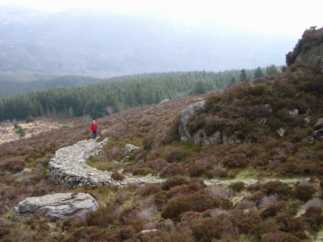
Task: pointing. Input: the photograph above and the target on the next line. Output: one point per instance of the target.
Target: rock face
(185, 116)
(69, 167)
(58, 205)
(200, 136)
(309, 50)
(318, 129)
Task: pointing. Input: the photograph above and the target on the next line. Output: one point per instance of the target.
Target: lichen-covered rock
(58, 205)
(185, 117)
(130, 148)
(318, 129)
(309, 50)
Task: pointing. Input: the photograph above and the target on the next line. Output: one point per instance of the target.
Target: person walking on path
(94, 129)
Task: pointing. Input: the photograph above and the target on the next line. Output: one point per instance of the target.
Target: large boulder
(58, 205)
(309, 50)
(185, 116)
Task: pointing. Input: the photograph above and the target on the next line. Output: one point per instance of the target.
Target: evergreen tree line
(117, 94)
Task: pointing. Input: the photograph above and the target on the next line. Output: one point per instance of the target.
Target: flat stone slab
(58, 205)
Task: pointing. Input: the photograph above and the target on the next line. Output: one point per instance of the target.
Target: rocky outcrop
(185, 117)
(58, 205)
(309, 50)
(200, 136)
(318, 129)
(69, 167)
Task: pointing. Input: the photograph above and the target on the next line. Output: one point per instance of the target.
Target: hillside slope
(248, 168)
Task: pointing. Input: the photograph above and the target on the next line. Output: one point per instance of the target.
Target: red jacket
(93, 127)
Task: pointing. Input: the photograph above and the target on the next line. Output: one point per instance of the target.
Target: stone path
(69, 167)
(252, 181)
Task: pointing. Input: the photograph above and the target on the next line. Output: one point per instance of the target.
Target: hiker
(94, 129)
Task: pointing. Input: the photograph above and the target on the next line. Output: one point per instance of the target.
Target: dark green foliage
(259, 73)
(272, 70)
(243, 75)
(113, 94)
(19, 131)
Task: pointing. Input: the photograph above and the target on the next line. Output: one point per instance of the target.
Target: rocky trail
(69, 167)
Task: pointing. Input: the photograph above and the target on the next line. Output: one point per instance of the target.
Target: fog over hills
(103, 45)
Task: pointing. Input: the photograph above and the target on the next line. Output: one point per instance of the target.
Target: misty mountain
(11, 86)
(97, 44)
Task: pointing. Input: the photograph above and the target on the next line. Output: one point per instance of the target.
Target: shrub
(208, 229)
(103, 217)
(237, 186)
(173, 170)
(291, 224)
(212, 104)
(117, 176)
(304, 192)
(248, 221)
(258, 90)
(236, 160)
(197, 202)
(175, 154)
(181, 235)
(313, 216)
(149, 189)
(172, 133)
(14, 164)
(279, 237)
(148, 143)
(276, 187)
(173, 182)
(200, 168)
(142, 171)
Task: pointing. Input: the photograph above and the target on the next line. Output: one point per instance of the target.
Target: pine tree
(243, 75)
(258, 73)
(272, 70)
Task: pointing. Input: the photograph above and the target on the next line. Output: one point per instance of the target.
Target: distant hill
(103, 45)
(10, 85)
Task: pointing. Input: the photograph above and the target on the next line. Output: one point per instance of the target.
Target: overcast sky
(277, 17)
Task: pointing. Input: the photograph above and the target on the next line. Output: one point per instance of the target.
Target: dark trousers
(93, 134)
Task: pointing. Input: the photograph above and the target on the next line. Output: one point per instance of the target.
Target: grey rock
(294, 112)
(281, 132)
(319, 124)
(318, 129)
(164, 101)
(313, 203)
(58, 205)
(185, 116)
(309, 50)
(130, 148)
